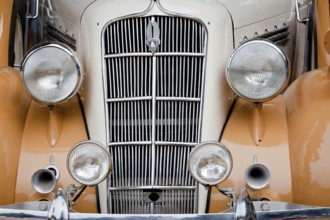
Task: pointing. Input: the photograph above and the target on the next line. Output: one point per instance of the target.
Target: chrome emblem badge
(152, 35)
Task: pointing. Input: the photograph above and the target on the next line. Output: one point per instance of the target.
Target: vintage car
(164, 109)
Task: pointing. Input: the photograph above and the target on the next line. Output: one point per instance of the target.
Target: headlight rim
(228, 172)
(282, 55)
(74, 58)
(106, 174)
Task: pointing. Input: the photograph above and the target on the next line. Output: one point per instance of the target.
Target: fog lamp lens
(89, 163)
(258, 70)
(51, 73)
(210, 163)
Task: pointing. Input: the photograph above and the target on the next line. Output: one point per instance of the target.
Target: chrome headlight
(258, 70)
(51, 73)
(89, 163)
(210, 163)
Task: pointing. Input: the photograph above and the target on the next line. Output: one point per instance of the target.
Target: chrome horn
(257, 176)
(44, 180)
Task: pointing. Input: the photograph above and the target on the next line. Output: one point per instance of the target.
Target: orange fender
(308, 110)
(13, 111)
(5, 17)
(261, 132)
(51, 132)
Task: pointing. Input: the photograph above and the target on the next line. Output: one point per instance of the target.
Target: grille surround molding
(155, 99)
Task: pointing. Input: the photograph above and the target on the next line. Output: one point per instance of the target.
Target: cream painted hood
(245, 12)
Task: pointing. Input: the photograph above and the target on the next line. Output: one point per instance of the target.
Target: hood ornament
(152, 35)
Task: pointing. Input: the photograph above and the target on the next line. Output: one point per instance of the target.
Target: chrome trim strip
(203, 87)
(115, 55)
(172, 54)
(30, 16)
(150, 98)
(149, 143)
(157, 54)
(176, 143)
(153, 187)
(304, 20)
(129, 99)
(178, 14)
(169, 98)
(129, 143)
(153, 129)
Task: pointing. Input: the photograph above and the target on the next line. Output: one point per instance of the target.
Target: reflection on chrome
(244, 207)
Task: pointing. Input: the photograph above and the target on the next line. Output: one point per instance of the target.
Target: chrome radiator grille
(154, 110)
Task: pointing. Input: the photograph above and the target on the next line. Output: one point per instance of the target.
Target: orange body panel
(14, 105)
(49, 134)
(5, 15)
(308, 107)
(272, 150)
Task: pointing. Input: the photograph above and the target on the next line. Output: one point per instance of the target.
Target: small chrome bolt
(265, 207)
(43, 207)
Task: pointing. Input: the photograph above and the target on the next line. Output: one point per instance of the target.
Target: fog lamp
(51, 73)
(258, 70)
(210, 163)
(89, 163)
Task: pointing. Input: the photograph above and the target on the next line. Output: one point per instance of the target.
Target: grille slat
(175, 201)
(151, 132)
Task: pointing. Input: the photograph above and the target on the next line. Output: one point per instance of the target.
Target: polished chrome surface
(154, 108)
(263, 210)
(59, 208)
(261, 79)
(244, 207)
(257, 176)
(74, 67)
(289, 211)
(36, 6)
(32, 206)
(210, 163)
(153, 36)
(301, 20)
(43, 181)
(89, 162)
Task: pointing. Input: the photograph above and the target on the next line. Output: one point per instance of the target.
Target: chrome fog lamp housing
(258, 70)
(210, 163)
(89, 163)
(51, 73)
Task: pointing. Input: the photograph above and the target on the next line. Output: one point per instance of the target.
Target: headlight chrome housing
(258, 70)
(89, 163)
(210, 163)
(51, 73)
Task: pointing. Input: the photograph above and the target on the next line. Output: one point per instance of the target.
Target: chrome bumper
(308, 213)
(58, 209)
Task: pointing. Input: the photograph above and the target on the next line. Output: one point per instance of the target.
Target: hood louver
(280, 36)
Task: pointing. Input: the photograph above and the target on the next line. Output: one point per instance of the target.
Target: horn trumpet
(257, 176)
(44, 180)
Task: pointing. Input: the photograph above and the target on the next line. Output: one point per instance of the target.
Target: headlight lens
(89, 163)
(210, 163)
(258, 70)
(51, 73)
